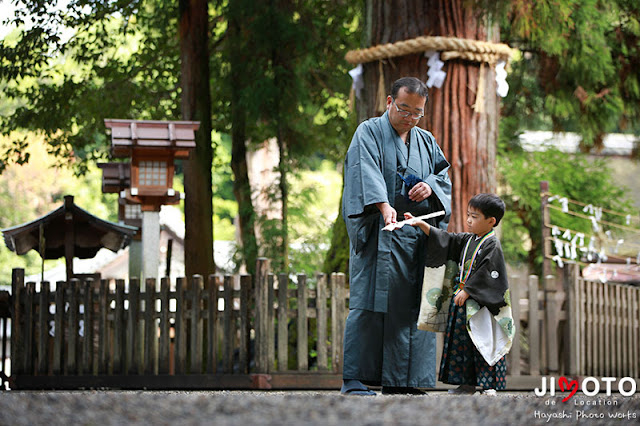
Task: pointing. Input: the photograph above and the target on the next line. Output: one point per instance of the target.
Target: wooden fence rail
(278, 331)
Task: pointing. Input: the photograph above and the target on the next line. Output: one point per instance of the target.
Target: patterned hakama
(461, 363)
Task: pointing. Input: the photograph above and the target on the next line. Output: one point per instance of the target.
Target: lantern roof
(130, 135)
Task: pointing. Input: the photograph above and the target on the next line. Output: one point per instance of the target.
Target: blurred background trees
(276, 71)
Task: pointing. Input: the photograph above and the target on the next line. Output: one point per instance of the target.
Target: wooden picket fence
(244, 332)
(574, 327)
(196, 335)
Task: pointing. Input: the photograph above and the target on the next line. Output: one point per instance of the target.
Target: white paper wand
(398, 225)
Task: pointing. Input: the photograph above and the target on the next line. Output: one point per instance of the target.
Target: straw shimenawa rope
(451, 48)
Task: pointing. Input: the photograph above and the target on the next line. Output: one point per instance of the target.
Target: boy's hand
(461, 298)
(417, 222)
(408, 216)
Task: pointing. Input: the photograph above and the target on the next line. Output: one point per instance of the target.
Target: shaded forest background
(276, 70)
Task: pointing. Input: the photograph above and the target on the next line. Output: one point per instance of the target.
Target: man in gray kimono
(391, 167)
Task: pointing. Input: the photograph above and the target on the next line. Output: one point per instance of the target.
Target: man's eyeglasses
(403, 113)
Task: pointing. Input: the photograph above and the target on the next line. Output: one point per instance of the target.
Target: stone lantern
(153, 147)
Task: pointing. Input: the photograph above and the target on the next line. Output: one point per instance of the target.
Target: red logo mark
(566, 385)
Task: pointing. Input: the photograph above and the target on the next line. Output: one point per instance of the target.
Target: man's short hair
(489, 204)
(412, 85)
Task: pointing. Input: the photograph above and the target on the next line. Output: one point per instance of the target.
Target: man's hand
(461, 298)
(388, 213)
(420, 192)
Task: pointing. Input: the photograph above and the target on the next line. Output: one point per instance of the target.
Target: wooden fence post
(227, 328)
(72, 340)
(181, 327)
(514, 354)
(17, 338)
(43, 328)
(271, 326)
(321, 321)
(571, 341)
(546, 232)
(164, 349)
(338, 318)
(262, 315)
(303, 330)
(245, 323)
(283, 322)
(134, 349)
(150, 332)
(551, 323)
(534, 327)
(103, 325)
(87, 347)
(28, 327)
(118, 326)
(212, 335)
(196, 325)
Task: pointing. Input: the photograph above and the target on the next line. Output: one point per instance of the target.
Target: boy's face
(477, 223)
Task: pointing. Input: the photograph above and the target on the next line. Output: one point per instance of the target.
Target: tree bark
(196, 105)
(241, 185)
(467, 138)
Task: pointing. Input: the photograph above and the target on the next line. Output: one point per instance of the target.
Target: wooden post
(271, 326)
(514, 354)
(551, 323)
(87, 347)
(303, 330)
(534, 327)
(212, 336)
(572, 320)
(28, 327)
(338, 318)
(283, 322)
(150, 330)
(321, 321)
(72, 328)
(17, 338)
(196, 325)
(118, 327)
(635, 317)
(43, 329)
(245, 298)
(261, 315)
(103, 325)
(181, 327)
(134, 348)
(69, 236)
(164, 347)
(546, 232)
(58, 327)
(228, 329)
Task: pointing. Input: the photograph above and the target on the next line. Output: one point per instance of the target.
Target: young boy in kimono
(479, 327)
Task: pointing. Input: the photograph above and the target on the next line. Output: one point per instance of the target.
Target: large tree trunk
(196, 105)
(238, 53)
(468, 139)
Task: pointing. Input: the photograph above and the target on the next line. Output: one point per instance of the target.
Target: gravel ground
(307, 408)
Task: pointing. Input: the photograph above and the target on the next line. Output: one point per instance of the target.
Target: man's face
(405, 103)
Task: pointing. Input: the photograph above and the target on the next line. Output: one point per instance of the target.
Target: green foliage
(107, 68)
(578, 68)
(575, 176)
(32, 190)
(288, 81)
(313, 205)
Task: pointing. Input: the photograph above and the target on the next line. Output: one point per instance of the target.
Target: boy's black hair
(490, 205)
